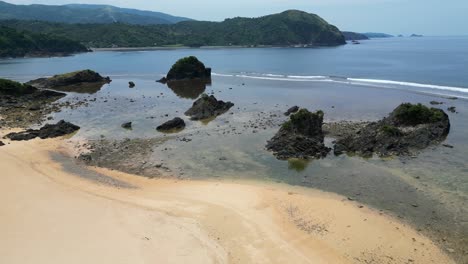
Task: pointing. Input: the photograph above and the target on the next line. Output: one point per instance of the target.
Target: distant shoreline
(204, 47)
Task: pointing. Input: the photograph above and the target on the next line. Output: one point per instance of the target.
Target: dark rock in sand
(131, 84)
(452, 109)
(174, 124)
(436, 103)
(208, 107)
(300, 137)
(2, 144)
(291, 110)
(85, 81)
(48, 131)
(408, 128)
(127, 125)
(35, 107)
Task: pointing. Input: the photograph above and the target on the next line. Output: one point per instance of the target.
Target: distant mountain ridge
(377, 35)
(354, 35)
(289, 28)
(80, 13)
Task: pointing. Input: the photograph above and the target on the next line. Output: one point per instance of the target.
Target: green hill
(288, 28)
(78, 13)
(15, 43)
(354, 36)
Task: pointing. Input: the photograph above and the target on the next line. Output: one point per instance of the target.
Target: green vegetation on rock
(415, 114)
(188, 68)
(8, 87)
(288, 28)
(300, 121)
(15, 43)
(391, 130)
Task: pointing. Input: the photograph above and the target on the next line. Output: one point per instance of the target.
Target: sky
(428, 17)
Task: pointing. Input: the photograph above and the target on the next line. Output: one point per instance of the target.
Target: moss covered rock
(409, 128)
(188, 68)
(85, 81)
(300, 137)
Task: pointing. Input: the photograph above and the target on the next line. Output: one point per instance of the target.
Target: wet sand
(51, 215)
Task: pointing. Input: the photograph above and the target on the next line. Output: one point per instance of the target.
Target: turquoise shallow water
(353, 82)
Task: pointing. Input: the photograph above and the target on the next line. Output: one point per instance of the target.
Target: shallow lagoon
(430, 190)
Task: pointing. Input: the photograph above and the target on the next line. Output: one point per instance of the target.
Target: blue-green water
(352, 82)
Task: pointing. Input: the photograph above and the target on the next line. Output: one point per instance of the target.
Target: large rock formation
(172, 125)
(48, 131)
(300, 137)
(188, 68)
(208, 107)
(86, 81)
(408, 128)
(22, 104)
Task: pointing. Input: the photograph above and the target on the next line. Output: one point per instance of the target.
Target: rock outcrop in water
(292, 110)
(22, 104)
(48, 131)
(409, 127)
(188, 68)
(86, 81)
(127, 125)
(208, 107)
(300, 137)
(172, 125)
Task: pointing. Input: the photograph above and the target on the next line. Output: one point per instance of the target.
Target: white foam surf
(353, 81)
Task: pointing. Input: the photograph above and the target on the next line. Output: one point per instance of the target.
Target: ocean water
(352, 82)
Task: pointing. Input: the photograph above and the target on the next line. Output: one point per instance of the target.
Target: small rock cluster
(48, 131)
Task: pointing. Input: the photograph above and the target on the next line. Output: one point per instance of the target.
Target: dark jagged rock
(208, 107)
(188, 68)
(174, 124)
(291, 110)
(300, 137)
(408, 128)
(86, 81)
(48, 131)
(127, 125)
(2, 144)
(162, 80)
(131, 84)
(436, 103)
(452, 109)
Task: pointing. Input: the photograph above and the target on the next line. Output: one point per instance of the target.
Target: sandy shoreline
(52, 216)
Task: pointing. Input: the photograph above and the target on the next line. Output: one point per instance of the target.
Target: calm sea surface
(352, 82)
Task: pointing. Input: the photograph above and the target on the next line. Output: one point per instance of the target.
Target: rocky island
(408, 128)
(187, 69)
(300, 137)
(85, 81)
